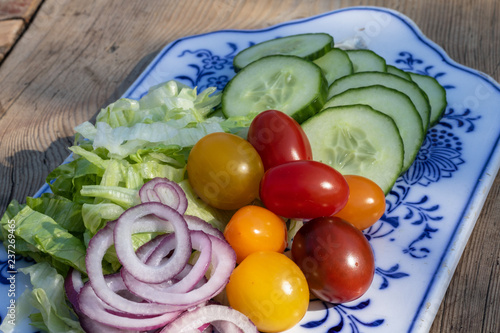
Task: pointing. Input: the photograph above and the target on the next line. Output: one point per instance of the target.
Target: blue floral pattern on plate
(432, 207)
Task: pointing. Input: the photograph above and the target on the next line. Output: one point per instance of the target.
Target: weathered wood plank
(9, 33)
(18, 9)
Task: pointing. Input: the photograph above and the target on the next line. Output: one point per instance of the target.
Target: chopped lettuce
(170, 114)
(45, 303)
(42, 238)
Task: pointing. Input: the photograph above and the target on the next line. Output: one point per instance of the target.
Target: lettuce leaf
(45, 303)
(170, 114)
(43, 239)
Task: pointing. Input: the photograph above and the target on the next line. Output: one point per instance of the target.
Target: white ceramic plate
(432, 208)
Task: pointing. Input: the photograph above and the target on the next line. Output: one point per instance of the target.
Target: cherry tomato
(225, 170)
(270, 289)
(252, 229)
(303, 189)
(366, 203)
(278, 138)
(335, 257)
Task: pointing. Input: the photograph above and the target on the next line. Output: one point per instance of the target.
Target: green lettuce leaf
(65, 212)
(170, 114)
(45, 303)
(38, 235)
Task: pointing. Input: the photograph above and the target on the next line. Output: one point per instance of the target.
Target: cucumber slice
(335, 64)
(396, 105)
(308, 46)
(356, 139)
(290, 84)
(366, 61)
(399, 72)
(409, 88)
(436, 94)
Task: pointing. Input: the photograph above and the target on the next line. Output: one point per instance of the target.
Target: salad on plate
(187, 210)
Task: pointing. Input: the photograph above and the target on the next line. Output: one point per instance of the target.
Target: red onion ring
(94, 308)
(200, 241)
(72, 285)
(223, 263)
(96, 250)
(195, 223)
(190, 321)
(165, 191)
(125, 251)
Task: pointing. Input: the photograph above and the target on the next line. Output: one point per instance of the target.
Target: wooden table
(77, 56)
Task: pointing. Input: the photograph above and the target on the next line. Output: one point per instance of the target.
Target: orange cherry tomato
(252, 229)
(366, 202)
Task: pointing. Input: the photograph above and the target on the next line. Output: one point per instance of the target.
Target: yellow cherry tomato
(366, 202)
(225, 170)
(254, 228)
(270, 289)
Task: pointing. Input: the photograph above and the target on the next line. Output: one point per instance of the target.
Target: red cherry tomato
(278, 139)
(303, 189)
(366, 203)
(336, 258)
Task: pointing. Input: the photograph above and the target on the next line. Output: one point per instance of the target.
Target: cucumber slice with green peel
(396, 105)
(366, 61)
(335, 64)
(356, 139)
(399, 72)
(409, 88)
(289, 84)
(436, 94)
(309, 46)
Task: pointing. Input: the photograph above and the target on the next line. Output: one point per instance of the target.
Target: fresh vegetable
(335, 64)
(366, 203)
(164, 285)
(222, 318)
(290, 84)
(436, 94)
(252, 229)
(278, 139)
(409, 88)
(356, 139)
(335, 257)
(270, 289)
(225, 170)
(308, 46)
(366, 61)
(396, 105)
(303, 189)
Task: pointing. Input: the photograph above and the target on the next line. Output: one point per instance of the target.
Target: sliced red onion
(165, 191)
(223, 263)
(166, 216)
(94, 308)
(190, 321)
(91, 326)
(200, 241)
(96, 250)
(195, 223)
(72, 285)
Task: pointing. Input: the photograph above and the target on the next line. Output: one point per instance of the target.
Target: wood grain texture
(9, 32)
(77, 56)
